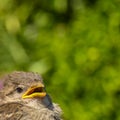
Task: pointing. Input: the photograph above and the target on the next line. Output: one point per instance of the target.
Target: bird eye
(19, 89)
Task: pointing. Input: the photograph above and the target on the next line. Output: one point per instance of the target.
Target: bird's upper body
(23, 97)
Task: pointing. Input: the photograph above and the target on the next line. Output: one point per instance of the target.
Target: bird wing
(17, 111)
(11, 111)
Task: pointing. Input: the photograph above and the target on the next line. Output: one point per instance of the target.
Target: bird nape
(23, 97)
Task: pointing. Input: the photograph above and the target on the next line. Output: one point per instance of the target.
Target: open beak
(35, 91)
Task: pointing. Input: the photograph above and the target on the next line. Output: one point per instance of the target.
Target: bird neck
(38, 103)
(47, 102)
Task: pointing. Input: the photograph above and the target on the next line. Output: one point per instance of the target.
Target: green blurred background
(74, 44)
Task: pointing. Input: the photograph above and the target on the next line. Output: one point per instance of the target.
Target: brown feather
(13, 107)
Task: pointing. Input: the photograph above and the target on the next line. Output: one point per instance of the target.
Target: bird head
(22, 87)
(27, 89)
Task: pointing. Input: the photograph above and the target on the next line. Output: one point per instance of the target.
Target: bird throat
(38, 103)
(47, 102)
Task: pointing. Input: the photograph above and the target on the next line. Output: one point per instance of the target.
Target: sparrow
(23, 97)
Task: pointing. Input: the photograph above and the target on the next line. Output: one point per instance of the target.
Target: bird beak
(35, 91)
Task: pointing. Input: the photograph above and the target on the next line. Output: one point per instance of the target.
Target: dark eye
(19, 89)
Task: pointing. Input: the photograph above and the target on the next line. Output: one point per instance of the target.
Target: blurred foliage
(74, 44)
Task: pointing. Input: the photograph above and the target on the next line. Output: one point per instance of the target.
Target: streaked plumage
(23, 97)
